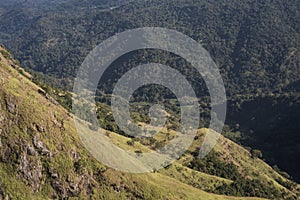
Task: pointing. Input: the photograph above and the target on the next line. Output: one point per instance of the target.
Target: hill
(42, 157)
(255, 43)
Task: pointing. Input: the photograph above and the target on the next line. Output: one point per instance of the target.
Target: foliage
(256, 153)
(212, 164)
(270, 124)
(253, 42)
(241, 185)
(246, 187)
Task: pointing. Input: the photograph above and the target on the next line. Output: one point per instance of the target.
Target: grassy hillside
(255, 44)
(41, 156)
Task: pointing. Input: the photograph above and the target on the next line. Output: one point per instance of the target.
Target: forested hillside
(42, 157)
(254, 43)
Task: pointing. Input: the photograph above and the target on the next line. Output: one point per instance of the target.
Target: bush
(256, 153)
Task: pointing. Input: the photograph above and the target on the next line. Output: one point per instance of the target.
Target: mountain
(42, 157)
(255, 43)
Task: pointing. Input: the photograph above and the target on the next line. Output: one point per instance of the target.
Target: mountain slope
(255, 44)
(247, 39)
(42, 157)
(271, 124)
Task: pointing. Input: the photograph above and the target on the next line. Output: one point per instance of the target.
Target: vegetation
(258, 46)
(241, 186)
(42, 157)
(270, 124)
(254, 43)
(212, 164)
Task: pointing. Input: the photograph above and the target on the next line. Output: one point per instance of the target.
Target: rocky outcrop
(11, 104)
(40, 146)
(74, 185)
(30, 169)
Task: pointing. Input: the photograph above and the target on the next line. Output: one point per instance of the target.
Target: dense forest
(254, 43)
